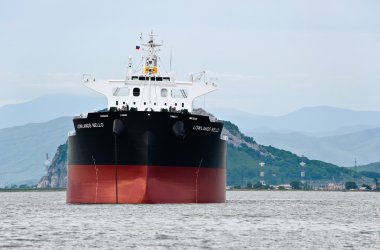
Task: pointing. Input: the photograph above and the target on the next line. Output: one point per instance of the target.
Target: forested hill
(373, 167)
(243, 158)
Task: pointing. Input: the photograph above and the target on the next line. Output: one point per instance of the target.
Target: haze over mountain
(329, 134)
(372, 167)
(342, 150)
(49, 107)
(23, 149)
(23, 153)
(243, 157)
(317, 121)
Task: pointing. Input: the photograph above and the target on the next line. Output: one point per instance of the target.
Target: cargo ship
(149, 145)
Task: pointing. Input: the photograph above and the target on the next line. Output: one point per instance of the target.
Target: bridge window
(136, 91)
(164, 92)
(120, 91)
(180, 93)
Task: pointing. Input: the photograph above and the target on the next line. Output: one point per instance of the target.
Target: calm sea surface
(250, 220)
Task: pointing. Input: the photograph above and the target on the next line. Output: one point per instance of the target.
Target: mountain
(57, 171)
(372, 167)
(325, 133)
(315, 121)
(23, 149)
(243, 157)
(330, 134)
(281, 166)
(341, 150)
(48, 107)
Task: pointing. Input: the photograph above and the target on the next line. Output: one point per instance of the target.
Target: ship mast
(151, 68)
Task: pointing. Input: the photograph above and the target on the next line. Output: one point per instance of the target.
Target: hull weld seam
(196, 180)
(97, 179)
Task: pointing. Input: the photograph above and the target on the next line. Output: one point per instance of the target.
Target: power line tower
(302, 164)
(47, 164)
(262, 164)
(44, 183)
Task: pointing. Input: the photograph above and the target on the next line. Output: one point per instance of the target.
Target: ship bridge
(151, 89)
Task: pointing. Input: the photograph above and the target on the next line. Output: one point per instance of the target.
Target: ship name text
(205, 128)
(90, 125)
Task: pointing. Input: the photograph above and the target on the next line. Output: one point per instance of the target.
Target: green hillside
(370, 170)
(373, 167)
(243, 157)
(23, 149)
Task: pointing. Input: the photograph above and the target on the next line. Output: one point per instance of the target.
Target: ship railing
(71, 133)
(224, 137)
(80, 116)
(213, 119)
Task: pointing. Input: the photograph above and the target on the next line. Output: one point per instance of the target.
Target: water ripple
(254, 220)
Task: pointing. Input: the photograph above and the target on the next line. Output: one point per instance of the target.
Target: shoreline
(300, 190)
(14, 190)
(32, 189)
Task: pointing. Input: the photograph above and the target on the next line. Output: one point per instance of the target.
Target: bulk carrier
(149, 146)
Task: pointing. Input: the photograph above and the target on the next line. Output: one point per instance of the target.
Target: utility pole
(262, 164)
(302, 164)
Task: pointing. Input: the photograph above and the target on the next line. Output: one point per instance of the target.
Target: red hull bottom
(145, 184)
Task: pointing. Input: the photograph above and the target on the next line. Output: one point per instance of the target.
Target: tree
(351, 185)
(376, 184)
(296, 184)
(367, 187)
(258, 185)
(249, 185)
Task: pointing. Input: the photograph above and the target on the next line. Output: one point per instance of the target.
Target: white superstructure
(151, 89)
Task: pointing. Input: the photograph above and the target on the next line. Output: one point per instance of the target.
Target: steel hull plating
(145, 184)
(141, 157)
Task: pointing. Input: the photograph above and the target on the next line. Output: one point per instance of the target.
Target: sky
(268, 57)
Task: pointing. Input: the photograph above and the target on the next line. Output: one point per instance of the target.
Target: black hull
(137, 144)
(154, 138)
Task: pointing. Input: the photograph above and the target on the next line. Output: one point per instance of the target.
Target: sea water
(249, 219)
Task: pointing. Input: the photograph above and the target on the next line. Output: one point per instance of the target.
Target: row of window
(175, 93)
(152, 78)
(134, 103)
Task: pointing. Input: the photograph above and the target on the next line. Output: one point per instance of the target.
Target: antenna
(130, 65)
(170, 62)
